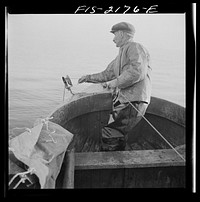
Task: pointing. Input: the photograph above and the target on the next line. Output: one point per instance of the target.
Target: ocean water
(37, 60)
(36, 92)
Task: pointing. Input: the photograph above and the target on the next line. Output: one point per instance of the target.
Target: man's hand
(104, 85)
(111, 85)
(108, 85)
(83, 79)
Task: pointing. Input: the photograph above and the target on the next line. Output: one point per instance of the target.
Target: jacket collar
(125, 43)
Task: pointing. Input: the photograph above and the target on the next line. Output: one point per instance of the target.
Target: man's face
(118, 38)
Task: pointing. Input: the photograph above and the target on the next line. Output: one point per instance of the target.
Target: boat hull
(85, 115)
(148, 177)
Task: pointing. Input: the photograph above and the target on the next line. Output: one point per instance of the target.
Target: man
(128, 76)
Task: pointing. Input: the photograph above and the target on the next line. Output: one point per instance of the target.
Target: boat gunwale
(106, 97)
(164, 111)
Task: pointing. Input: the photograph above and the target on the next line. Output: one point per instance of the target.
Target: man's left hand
(83, 79)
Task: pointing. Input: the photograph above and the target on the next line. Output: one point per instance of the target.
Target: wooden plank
(68, 179)
(127, 159)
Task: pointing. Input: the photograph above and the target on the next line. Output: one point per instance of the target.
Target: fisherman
(128, 77)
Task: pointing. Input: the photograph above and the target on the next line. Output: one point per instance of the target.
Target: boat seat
(127, 159)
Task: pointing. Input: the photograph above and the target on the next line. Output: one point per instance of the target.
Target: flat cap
(123, 26)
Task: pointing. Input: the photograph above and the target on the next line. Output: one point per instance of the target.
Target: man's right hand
(105, 85)
(83, 79)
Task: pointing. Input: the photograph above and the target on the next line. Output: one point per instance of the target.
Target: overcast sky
(57, 39)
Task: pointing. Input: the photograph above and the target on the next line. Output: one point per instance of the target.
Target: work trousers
(125, 118)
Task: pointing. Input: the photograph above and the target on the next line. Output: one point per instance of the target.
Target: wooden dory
(148, 160)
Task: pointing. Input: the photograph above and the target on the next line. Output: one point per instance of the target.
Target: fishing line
(154, 128)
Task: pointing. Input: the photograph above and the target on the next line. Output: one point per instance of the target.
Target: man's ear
(122, 34)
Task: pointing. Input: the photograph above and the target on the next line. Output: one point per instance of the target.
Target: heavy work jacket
(129, 72)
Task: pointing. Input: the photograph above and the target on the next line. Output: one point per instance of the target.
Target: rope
(154, 128)
(148, 123)
(23, 177)
(46, 121)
